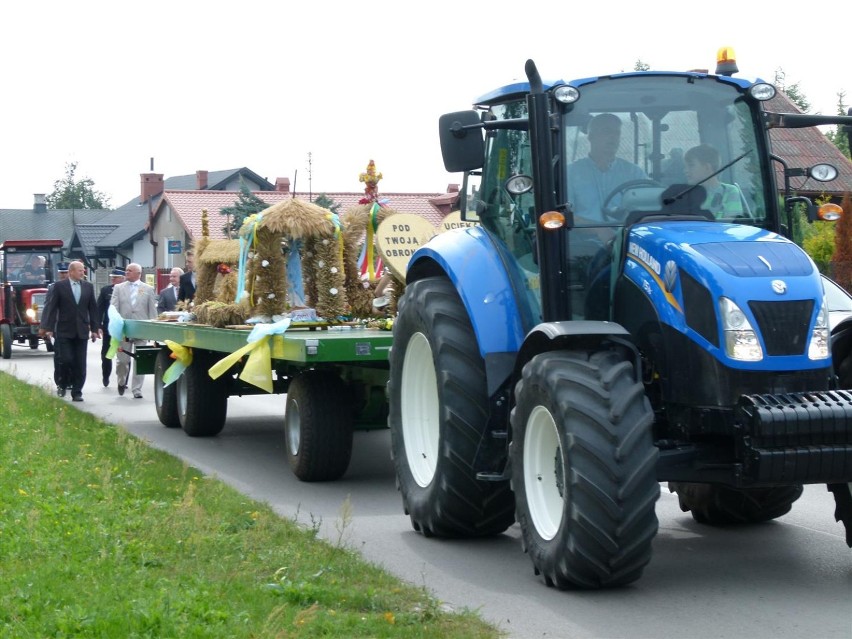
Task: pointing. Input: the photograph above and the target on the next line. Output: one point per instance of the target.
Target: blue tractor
(629, 310)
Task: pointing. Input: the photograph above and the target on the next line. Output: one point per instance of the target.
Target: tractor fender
(551, 336)
(472, 261)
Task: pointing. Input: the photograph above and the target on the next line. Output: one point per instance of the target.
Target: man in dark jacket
(187, 280)
(116, 276)
(73, 317)
(168, 297)
(58, 375)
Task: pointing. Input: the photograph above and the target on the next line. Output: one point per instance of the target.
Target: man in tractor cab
(33, 272)
(592, 179)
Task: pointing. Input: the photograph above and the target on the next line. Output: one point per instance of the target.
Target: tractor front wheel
(584, 468)
(438, 414)
(6, 341)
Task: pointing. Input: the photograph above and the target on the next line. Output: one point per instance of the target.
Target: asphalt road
(789, 578)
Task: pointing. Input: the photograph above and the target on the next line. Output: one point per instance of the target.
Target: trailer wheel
(843, 512)
(724, 506)
(318, 425)
(584, 468)
(6, 341)
(34, 342)
(165, 397)
(202, 402)
(438, 412)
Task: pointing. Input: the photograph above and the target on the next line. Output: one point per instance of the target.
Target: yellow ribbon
(371, 229)
(183, 359)
(258, 368)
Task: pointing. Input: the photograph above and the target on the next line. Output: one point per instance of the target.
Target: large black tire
(202, 401)
(318, 426)
(724, 506)
(438, 412)
(33, 342)
(165, 397)
(584, 468)
(48, 344)
(843, 512)
(6, 341)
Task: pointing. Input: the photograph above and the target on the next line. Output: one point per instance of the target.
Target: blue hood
(743, 263)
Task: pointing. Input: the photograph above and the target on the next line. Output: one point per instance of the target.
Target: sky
(314, 90)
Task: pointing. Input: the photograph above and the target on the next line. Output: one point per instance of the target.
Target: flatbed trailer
(334, 378)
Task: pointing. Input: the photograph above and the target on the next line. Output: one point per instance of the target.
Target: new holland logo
(779, 286)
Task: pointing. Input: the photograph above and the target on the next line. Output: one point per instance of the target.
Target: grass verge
(102, 536)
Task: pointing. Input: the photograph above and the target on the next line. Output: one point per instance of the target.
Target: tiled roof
(188, 205)
(806, 147)
(26, 224)
(90, 236)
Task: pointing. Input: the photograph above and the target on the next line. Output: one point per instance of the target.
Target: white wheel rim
(293, 427)
(543, 473)
(419, 405)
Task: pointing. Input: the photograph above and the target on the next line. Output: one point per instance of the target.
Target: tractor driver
(33, 272)
(593, 178)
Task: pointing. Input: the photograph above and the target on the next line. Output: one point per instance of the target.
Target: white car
(839, 302)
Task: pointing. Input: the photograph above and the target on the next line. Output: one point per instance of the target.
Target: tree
(70, 193)
(247, 203)
(837, 137)
(327, 203)
(793, 91)
(641, 66)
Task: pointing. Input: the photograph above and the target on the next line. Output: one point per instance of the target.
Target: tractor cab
(27, 268)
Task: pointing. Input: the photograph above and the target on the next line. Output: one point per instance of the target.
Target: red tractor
(27, 268)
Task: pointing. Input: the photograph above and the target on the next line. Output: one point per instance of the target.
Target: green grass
(102, 536)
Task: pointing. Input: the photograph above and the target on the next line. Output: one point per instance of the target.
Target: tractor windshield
(662, 143)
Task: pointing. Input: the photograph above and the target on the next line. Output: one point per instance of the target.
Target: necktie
(133, 290)
(76, 289)
(175, 291)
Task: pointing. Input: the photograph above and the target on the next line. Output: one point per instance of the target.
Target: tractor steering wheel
(621, 188)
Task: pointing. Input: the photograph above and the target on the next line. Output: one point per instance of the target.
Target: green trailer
(334, 378)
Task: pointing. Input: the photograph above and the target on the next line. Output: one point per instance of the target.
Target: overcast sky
(219, 85)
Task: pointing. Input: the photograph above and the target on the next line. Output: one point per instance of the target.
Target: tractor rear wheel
(165, 397)
(318, 426)
(438, 414)
(6, 341)
(724, 506)
(202, 401)
(584, 468)
(843, 512)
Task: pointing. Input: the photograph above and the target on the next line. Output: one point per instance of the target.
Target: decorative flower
(264, 263)
(325, 241)
(333, 291)
(271, 296)
(224, 269)
(334, 269)
(321, 263)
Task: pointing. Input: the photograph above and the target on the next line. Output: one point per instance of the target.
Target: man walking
(133, 299)
(116, 276)
(62, 274)
(168, 298)
(73, 315)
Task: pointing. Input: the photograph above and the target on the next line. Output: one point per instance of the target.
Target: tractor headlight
(741, 341)
(31, 314)
(818, 344)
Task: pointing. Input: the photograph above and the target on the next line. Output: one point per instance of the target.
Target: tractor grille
(784, 325)
(38, 304)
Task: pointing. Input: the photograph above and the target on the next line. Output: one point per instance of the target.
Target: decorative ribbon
(183, 359)
(372, 227)
(257, 370)
(248, 240)
(294, 273)
(338, 235)
(116, 331)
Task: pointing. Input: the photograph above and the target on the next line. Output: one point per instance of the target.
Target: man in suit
(187, 280)
(116, 276)
(133, 299)
(62, 274)
(73, 316)
(168, 297)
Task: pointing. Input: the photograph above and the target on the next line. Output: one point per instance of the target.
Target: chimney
(282, 184)
(201, 180)
(152, 186)
(452, 188)
(39, 203)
